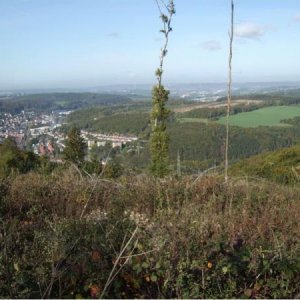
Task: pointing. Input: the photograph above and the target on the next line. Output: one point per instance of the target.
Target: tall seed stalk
(231, 33)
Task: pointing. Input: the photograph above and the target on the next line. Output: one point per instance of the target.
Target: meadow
(267, 116)
(67, 235)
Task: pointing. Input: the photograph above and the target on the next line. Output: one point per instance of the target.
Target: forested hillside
(195, 134)
(56, 101)
(282, 166)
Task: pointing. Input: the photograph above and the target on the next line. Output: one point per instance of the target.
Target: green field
(267, 116)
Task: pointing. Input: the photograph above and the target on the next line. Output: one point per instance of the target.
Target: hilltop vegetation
(157, 217)
(63, 234)
(13, 159)
(282, 166)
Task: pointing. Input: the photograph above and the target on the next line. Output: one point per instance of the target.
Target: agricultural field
(267, 116)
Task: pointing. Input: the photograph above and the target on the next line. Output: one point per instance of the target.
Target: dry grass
(216, 105)
(182, 225)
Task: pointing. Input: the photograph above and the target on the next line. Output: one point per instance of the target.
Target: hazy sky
(83, 43)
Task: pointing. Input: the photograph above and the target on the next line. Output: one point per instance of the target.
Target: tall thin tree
(231, 33)
(159, 144)
(75, 147)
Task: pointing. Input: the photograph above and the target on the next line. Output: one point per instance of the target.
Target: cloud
(297, 18)
(212, 45)
(114, 35)
(249, 31)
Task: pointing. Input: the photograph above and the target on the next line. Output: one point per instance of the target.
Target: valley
(149, 149)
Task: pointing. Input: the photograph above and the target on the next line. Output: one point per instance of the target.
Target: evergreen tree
(75, 147)
(12, 158)
(94, 164)
(112, 169)
(159, 115)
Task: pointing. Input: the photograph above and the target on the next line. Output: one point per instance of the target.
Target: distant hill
(56, 101)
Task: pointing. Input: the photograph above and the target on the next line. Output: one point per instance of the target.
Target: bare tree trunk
(229, 90)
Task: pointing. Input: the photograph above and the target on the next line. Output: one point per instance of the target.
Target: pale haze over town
(84, 43)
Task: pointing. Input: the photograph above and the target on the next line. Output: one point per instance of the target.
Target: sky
(89, 43)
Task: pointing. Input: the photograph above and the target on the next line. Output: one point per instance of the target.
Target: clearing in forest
(267, 116)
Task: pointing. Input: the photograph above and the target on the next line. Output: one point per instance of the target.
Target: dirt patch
(215, 105)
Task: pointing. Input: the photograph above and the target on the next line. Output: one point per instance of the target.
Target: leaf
(224, 270)
(245, 258)
(138, 269)
(248, 293)
(153, 278)
(136, 283)
(96, 256)
(257, 286)
(16, 267)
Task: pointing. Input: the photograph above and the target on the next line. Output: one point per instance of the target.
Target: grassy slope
(282, 166)
(268, 116)
(200, 238)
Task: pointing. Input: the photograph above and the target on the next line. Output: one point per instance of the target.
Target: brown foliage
(193, 231)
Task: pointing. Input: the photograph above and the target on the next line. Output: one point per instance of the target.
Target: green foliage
(159, 152)
(213, 113)
(13, 159)
(201, 145)
(287, 97)
(75, 147)
(282, 166)
(292, 121)
(101, 152)
(54, 101)
(205, 142)
(267, 116)
(112, 169)
(159, 139)
(160, 113)
(122, 123)
(93, 167)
